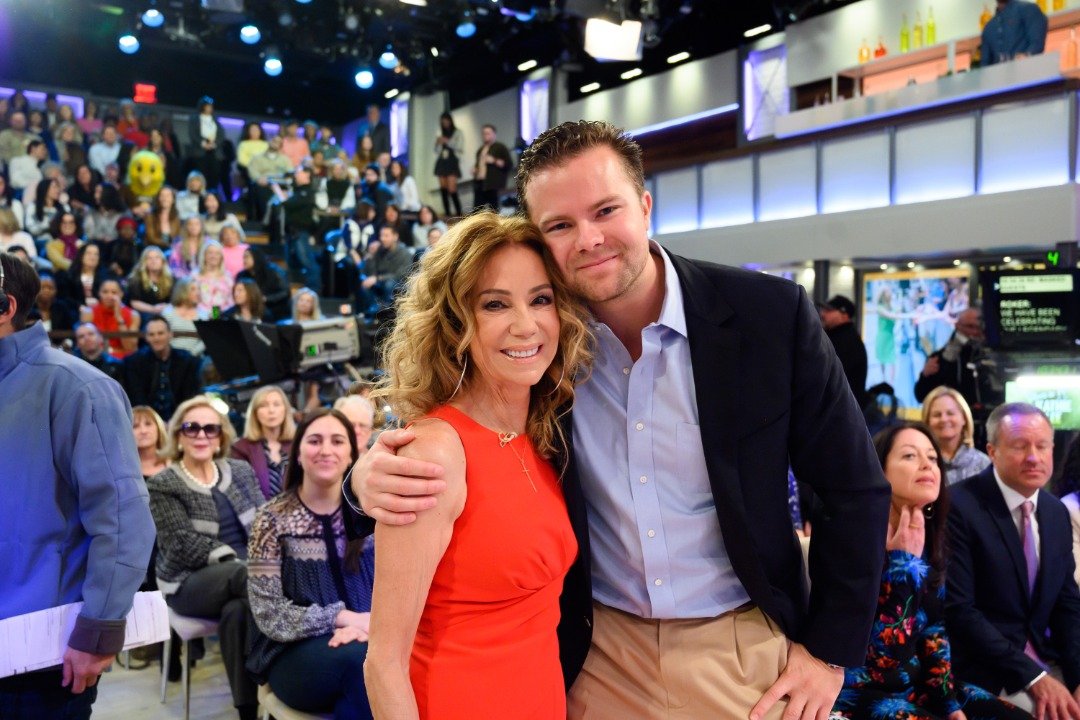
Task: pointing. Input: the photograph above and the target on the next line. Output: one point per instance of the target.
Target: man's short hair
(489, 125)
(157, 318)
(391, 228)
(22, 283)
(562, 143)
(33, 145)
(81, 325)
(993, 423)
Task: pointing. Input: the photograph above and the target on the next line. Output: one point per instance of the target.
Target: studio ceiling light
(388, 59)
(417, 3)
(631, 74)
(466, 28)
(364, 79)
(250, 34)
(153, 18)
(527, 65)
(128, 43)
(392, 93)
(272, 65)
(678, 58)
(590, 87)
(759, 30)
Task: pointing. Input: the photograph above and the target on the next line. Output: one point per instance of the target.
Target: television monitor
(1031, 310)
(1057, 395)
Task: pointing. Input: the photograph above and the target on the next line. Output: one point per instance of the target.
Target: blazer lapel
(1048, 534)
(995, 505)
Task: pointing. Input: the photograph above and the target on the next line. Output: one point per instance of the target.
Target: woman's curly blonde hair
(425, 353)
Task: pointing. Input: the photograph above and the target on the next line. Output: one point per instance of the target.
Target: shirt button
(652, 533)
(643, 479)
(657, 582)
(640, 426)
(626, 371)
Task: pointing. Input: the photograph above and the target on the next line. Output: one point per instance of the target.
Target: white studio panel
(1025, 145)
(788, 184)
(727, 193)
(676, 208)
(935, 160)
(855, 173)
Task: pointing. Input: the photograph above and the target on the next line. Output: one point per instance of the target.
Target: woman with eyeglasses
(203, 505)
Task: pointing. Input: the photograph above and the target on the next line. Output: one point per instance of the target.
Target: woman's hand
(346, 635)
(958, 715)
(348, 618)
(909, 533)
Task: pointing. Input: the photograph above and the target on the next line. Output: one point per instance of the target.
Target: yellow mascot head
(145, 174)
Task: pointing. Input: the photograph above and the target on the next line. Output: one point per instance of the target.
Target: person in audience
(203, 505)
(163, 224)
(105, 151)
(364, 155)
(264, 168)
(206, 139)
(8, 201)
(434, 235)
(182, 313)
(946, 413)
(248, 303)
(90, 123)
(150, 434)
(48, 200)
(90, 346)
(252, 143)
(111, 315)
(443, 608)
(100, 218)
(374, 191)
(76, 526)
(406, 194)
(215, 216)
(160, 375)
(12, 234)
(1012, 603)
(25, 170)
(300, 226)
(269, 430)
(189, 200)
(310, 588)
(128, 120)
(150, 283)
(214, 282)
(14, 138)
(449, 147)
(231, 237)
(293, 146)
(158, 144)
(384, 269)
(270, 281)
(908, 669)
(69, 148)
(392, 218)
(838, 320)
(66, 238)
(491, 170)
(360, 413)
(426, 220)
(1069, 492)
(187, 249)
(337, 195)
(66, 114)
(377, 130)
(53, 312)
(305, 305)
(124, 250)
(79, 284)
(964, 364)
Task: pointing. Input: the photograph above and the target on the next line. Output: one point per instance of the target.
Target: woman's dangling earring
(928, 511)
(464, 367)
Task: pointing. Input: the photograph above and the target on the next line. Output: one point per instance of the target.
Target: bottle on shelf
(1071, 50)
(905, 36)
(880, 51)
(931, 27)
(864, 52)
(985, 17)
(917, 32)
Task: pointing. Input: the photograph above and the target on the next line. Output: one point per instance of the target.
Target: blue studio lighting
(250, 34)
(272, 66)
(388, 59)
(153, 18)
(128, 44)
(364, 79)
(466, 28)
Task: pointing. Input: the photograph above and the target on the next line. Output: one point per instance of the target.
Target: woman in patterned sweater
(908, 671)
(310, 589)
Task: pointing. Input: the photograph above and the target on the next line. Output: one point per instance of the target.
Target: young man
(160, 375)
(77, 525)
(687, 593)
(492, 170)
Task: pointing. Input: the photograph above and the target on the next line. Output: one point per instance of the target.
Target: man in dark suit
(708, 381)
(91, 348)
(1012, 604)
(159, 375)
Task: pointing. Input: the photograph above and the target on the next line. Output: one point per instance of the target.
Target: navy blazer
(770, 390)
(988, 612)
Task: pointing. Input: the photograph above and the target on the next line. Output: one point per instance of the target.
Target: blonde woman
(269, 429)
(305, 305)
(948, 416)
(203, 506)
(150, 434)
(150, 283)
(182, 313)
(214, 282)
(485, 351)
(184, 255)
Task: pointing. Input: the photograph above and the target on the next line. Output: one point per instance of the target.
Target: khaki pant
(641, 669)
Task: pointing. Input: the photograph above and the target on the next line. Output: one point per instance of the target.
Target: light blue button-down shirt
(657, 551)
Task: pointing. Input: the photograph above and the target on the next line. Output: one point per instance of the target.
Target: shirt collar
(1013, 499)
(672, 312)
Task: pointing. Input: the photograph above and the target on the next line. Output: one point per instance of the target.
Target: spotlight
(527, 65)
(153, 18)
(678, 58)
(759, 30)
(418, 3)
(466, 28)
(303, 2)
(590, 87)
(434, 51)
(250, 34)
(391, 94)
(272, 62)
(631, 74)
(128, 43)
(352, 22)
(388, 59)
(364, 79)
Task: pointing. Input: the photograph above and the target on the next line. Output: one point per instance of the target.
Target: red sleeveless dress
(486, 645)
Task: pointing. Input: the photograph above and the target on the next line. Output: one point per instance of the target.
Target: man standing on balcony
(1016, 31)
